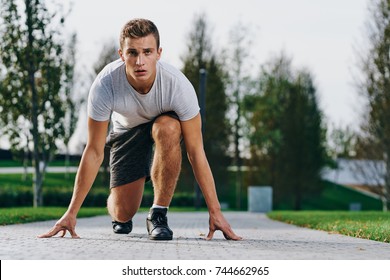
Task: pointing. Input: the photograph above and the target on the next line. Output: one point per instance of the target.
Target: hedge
(97, 197)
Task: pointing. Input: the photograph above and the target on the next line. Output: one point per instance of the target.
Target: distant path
(50, 169)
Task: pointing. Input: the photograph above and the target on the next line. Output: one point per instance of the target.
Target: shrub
(61, 196)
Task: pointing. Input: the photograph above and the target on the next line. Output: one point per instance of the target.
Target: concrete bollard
(260, 199)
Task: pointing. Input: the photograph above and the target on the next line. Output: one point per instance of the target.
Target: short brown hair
(138, 28)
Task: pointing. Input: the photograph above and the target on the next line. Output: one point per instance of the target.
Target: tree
(33, 94)
(375, 87)
(108, 53)
(263, 112)
(200, 55)
(342, 142)
(239, 85)
(72, 104)
(287, 131)
(303, 152)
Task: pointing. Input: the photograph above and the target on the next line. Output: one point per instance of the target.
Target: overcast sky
(318, 34)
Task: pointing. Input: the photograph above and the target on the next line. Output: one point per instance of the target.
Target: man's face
(140, 56)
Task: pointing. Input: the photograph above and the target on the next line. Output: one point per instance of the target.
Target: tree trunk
(384, 204)
(67, 160)
(384, 198)
(298, 199)
(37, 181)
(386, 187)
(25, 164)
(37, 188)
(237, 159)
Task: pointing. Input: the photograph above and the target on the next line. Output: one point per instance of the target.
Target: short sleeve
(100, 102)
(185, 101)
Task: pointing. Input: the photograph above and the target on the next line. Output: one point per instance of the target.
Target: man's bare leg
(166, 166)
(123, 203)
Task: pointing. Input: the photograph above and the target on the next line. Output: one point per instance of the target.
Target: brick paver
(264, 239)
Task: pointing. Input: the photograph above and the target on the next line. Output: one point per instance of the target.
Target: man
(150, 103)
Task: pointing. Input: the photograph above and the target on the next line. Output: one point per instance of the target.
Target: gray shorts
(131, 153)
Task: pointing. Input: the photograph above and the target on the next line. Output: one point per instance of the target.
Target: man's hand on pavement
(218, 222)
(64, 224)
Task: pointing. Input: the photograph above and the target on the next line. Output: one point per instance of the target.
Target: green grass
(10, 163)
(51, 180)
(365, 224)
(338, 197)
(21, 215)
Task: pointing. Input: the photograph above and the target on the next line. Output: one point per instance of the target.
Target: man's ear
(121, 54)
(159, 51)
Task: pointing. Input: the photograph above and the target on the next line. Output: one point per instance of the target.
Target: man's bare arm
(91, 160)
(192, 134)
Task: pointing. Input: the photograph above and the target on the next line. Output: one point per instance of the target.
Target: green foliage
(374, 86)
(367, 225)
(72, 107)
(60, 197)
(22, 56)
(239, 85)
(342, 142)
(287, 134)
(27, 214)
(200, 55)
(108, 54)
(14, 192)
(330, 196)
(35, 83)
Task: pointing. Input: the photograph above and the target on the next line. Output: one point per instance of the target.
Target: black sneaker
(122, 228)
(157, 224)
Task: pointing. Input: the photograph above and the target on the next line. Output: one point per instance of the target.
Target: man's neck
(142, 87)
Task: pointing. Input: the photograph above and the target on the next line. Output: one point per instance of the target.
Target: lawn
(28, 214)
(373, 225)
(51, 180)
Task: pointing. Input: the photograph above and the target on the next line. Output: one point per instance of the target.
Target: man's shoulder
(170, 70)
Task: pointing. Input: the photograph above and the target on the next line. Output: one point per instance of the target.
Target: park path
(264, 239)
(50, 169)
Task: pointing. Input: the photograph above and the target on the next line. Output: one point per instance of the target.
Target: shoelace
(159, 220)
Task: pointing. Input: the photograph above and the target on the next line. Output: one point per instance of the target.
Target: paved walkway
(50, 169)
(263, 240)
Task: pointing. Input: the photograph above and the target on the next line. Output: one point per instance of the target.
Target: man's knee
(117, 209)
(120, 212)
(124, 201)
(167, 130)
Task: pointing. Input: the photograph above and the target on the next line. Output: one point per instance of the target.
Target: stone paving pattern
(264, 239)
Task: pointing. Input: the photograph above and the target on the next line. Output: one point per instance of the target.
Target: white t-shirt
(111, 95)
